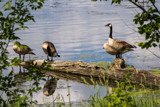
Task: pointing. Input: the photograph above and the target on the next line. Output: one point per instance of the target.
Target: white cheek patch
(110, 25)
(45, 46)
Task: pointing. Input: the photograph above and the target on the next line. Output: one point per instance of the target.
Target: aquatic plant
(125, 95)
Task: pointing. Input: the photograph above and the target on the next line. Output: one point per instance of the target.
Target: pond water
(76, 27)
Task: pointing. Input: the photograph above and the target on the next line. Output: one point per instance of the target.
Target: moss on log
(80, 68)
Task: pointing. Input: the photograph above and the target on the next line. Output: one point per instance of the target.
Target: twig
(154, 54)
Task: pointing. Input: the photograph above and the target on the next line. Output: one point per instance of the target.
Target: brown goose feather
(49, 49)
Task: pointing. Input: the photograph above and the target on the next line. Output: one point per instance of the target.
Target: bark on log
(79, 68)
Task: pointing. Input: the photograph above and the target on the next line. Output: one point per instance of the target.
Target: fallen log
(140, 77)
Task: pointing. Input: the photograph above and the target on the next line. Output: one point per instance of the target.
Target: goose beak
(108, 25)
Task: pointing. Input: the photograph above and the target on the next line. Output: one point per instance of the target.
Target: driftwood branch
(79, 68)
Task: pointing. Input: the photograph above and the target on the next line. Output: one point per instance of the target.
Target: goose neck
(110, 35)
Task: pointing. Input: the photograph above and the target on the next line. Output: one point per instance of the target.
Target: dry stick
(155, 6)
(139, 6)
(154, 54)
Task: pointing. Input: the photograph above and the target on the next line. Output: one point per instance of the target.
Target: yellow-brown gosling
(117, 47)
(22, 49)
(50, 50)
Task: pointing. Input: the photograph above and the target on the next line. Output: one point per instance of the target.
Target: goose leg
(121, 55)
(23, 57)
(20, 69)
(47, 58)
(29, 57)
(51, 58)
(23, 70)
(19, 56)
(118, 56)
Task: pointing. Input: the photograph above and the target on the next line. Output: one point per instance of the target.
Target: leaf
(17, 29)
(154, 44)
(8, 4)
(15, 61)
(1, 14)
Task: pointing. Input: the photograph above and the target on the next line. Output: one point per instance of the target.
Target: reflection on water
(76, 27)
(63, 87)
(50, 86)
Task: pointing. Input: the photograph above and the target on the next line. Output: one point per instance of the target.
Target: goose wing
(110, 49)
(52, 47)
(124, 44)
(49, 51)
(26, 49)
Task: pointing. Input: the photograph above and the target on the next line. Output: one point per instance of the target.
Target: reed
(125, 95)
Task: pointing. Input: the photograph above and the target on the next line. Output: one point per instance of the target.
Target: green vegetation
(155, 71)
(86, 56)
(125, 95)
(103, 64)
(120, 97)
(13, 17)
(18, 12)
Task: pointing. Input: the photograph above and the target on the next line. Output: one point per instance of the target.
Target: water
(76, 27)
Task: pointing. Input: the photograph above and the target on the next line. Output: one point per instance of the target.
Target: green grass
(125, 95)
(124, 98)
(148, 99)
(155, 71)
(103, 64)
(87, 56)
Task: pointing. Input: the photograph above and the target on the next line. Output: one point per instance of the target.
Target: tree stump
(118, 63)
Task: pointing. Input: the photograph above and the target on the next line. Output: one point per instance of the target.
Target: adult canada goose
(118, 47)
(22, 49)
(50, 50)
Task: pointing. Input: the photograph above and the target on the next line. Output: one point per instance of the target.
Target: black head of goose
(22, 49)
(120, 46)
(50, 50)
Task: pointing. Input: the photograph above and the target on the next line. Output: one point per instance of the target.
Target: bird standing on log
(117, 47)
(50, 50)
(22, 49)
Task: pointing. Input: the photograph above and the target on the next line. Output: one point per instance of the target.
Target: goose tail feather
(32, 53)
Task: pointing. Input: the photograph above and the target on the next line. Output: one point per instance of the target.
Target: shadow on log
(82, 79)
(79, 68)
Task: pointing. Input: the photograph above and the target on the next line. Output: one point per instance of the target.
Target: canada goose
(118, 46)
(49, 50)
(22, 49)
